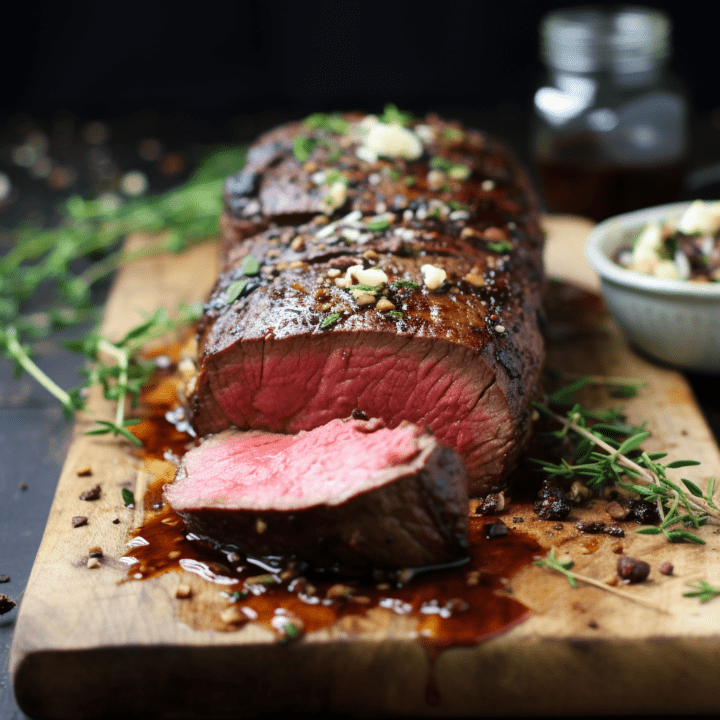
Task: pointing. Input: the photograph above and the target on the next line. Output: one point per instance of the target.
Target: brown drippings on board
(430, 598)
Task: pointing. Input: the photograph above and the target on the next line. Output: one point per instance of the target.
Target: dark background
(219, 57)
(221, 72)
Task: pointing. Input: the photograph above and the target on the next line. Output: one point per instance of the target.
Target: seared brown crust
(483, 231)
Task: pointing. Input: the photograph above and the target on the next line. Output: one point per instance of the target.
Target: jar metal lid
(587, 39)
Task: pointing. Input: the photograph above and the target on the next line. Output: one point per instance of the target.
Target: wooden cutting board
(88, 644)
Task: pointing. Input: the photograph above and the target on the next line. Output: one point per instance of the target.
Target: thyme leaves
(55, 272)
(564, 567)
(608, 451)
(702, 590)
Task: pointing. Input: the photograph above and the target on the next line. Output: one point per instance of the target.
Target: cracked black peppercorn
(632, 569)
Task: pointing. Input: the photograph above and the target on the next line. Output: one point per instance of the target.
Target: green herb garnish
(441, 163)
(452, 134)
(333, 176)
(303, 148)
(409, 180)
(117, 367)
(291, 631)
(396, 314)
(235, 290)
(392, 116)
(128, 497)
(551, 562)
(329, 320)
(609, 451)
(403, 285)
(378, 225)
(41, 269)
(250, 265)
(703, 591)
(455, 170)
(500, 247)
(367, 289)
(322, 121)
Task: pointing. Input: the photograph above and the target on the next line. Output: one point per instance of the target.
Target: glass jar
(610, 122)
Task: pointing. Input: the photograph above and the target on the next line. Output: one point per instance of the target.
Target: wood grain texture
(89, 644)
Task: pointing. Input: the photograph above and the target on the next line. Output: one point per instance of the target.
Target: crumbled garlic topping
(384, 305)
(358, 275)
(363, 298)
(389, 141)
(336, 197)
(666, 270)
(433, 277)
(183, 591)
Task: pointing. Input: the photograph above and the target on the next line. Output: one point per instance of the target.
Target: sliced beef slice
(349, 496)
(294, 349)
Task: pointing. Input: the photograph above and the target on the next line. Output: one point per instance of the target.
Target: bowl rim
(600, 240)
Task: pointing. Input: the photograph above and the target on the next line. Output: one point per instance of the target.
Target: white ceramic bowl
(674, 321)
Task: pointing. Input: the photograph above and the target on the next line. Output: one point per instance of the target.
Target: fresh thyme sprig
(118, 367)
(702, 590)
(19, 354)
(63, 264)
(620, 387)
(47, 262)
(608, 452)
(552, 562)
(123, 378)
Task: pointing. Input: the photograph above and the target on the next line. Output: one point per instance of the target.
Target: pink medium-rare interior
(289, 472)
(452, 393)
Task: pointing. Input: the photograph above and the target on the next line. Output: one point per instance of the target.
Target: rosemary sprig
(702, 590)
(552, 562)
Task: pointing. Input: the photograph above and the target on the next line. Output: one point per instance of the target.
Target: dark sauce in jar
(574, 179)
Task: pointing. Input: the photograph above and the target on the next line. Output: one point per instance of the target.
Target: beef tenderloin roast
(389, 267)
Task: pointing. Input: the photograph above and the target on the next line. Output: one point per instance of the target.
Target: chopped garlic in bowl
(659, 275)
(685, 249)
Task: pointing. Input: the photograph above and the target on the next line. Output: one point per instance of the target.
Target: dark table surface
(90, 157)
